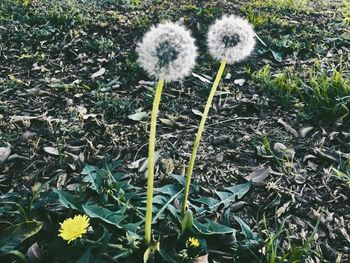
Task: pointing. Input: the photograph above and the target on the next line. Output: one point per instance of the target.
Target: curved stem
(150, 174)
(199, 134)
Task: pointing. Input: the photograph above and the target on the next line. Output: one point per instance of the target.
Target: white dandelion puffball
(231, 38)
(167, 52)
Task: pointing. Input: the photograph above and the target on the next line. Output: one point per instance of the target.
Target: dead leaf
(258, 175)
(35, 254)
(201, 259)
(145, 163)
(283, 150)
(4, 153)
(51, 150)
(288, 128)
(305, 131)
(138, 116)
(136, 164)
(167, 122)
(167, 165)
(197, 112)
(239, 82)
(282, 209)
(98, 73)
(299, 179)
(201, 78)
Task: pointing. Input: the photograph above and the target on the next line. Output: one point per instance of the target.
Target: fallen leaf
(51, 150)
(282, 209)
(167, 165)
(138, 116)
(136, 164)
(98, 73)
(258, 175)
(145, 163)
(239, 82)
(201, 259)
(305, 131)
(288, 128)
(167, 122)
(201, 78)
(35, 254)
(283, 150)
(4, 153)
(197, 112)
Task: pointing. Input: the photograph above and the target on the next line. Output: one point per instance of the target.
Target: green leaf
(212, 228)
(245, 229)
(169, 189)
(92, 176)
(166, 205)
(179, 178)
(68, 200)
(19, 255)
(251, 238)
(14, 235)
(226, 197)
(187, 221)
(106, 215)
(85, 257)
(209, 201)
(277, 55)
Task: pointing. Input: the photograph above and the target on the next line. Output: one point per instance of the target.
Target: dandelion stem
(152, 137)
(199, 134)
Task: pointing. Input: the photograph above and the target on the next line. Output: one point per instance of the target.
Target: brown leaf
(283, 150)
(98, 73)
(145, 163)
(282, 209)
(4, 153)
(167, 165)
(258, 175)
(201, 259)
(288, 128)
(35, 254)
(138, 116)
(305, 131)
(51, 150)
(197, 112)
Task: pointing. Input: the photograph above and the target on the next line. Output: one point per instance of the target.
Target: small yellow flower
(193, 242)
(73, 228)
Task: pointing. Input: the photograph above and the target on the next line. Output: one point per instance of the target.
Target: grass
(275, 252)
(344, 10)
(343, 171)
(324, 94)
(288, 5)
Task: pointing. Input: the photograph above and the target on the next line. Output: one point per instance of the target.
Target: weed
(110, 103)
(288, 5)
(274, 252)
(324, 96)
(327, 97)
(284, 85)
(344, 10)
(343, 171)
(254, 17)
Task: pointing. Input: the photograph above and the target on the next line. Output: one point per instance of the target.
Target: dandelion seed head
(167, 52)
(231, 38)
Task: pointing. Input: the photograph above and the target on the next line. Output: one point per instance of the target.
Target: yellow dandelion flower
(193, 242)
(73, 228)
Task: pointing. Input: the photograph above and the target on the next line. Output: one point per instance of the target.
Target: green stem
(199, 134)
(152, 137)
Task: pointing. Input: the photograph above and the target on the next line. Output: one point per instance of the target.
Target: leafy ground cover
(272, 178)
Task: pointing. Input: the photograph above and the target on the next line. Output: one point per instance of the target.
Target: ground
(73, 94)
